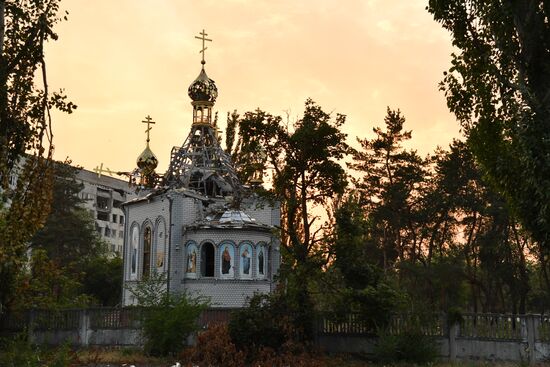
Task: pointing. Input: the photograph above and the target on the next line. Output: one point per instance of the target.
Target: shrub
(169, 318)
(214, 348)
(265, 323)
(409, 346)
(17, 351)
(291, 353)
(166, 326)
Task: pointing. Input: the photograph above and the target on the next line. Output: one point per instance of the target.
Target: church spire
(203, 91)
(200, 164)
(147, 161)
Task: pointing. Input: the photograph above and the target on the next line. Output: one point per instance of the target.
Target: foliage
(265, 323)
(391, 189)
(214, 347)
(25, 124)
(48, 286)
(169, 318)
(410, 347)
(149, 292)
(434, 226)
(498, 87)
(303, 159)
(63, 252)
(103, 279)
(363, 288)
(166, 326)
(17, 351)
(68, 236)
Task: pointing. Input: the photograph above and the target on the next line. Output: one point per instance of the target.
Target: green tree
(25, 128)
(499, 88)
(391, 190)
(68, 236)
(303, 162)
(365, 288)
(47, 285)
(246, 152)
(102, 279)
(480, 244)
(64, 252)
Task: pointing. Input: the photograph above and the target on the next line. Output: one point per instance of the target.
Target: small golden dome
(147, 161)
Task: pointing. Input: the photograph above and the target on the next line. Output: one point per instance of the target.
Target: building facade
(103, 197)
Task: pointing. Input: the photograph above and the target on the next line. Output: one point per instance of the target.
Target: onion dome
(203, 89)
(147, 161)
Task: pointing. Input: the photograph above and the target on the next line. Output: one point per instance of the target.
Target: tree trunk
(2, 25)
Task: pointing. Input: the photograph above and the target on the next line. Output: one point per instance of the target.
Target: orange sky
(120, 60)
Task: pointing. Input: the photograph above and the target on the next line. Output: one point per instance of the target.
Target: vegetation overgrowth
(167, 318)
(20, 354)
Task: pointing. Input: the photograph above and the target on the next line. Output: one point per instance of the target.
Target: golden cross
(148, 120)
(99, 170)
(203, 38)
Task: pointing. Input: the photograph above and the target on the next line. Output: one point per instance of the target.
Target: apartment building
(103, 197)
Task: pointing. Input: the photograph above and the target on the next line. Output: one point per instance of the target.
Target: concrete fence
(517, 338)
(494, 337)
(90, 327)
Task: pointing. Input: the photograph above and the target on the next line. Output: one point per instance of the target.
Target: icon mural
(192, 259)
(160, 252)
(135, 242)
(246, 257)
(261, 261)
(227, 256)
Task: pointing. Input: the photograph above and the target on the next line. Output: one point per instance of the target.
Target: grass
(125, 356)
(120, 356)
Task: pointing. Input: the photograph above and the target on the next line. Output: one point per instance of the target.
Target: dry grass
(118, 357)
(115, 357)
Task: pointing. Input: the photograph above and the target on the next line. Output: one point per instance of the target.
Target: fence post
(30, 326)
(530, 324)
(453, 332)
(84, 323)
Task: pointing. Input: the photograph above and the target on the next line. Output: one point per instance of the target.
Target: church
(198, 224)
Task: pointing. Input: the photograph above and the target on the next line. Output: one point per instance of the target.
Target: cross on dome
(149, 121)
(203, 38)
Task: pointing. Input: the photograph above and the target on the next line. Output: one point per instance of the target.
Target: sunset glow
(122, 60)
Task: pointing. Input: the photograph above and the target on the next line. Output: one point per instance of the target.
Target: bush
(166, 326)
(169, 318)
(17, 351)
(265, 323)
(214, 347)
(410, 347)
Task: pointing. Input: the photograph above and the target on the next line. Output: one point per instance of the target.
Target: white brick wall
(173, 219)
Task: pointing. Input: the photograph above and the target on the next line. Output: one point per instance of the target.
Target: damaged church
(198, 224)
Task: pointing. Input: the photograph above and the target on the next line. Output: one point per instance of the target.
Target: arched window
(147, 239)
(207, 260)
